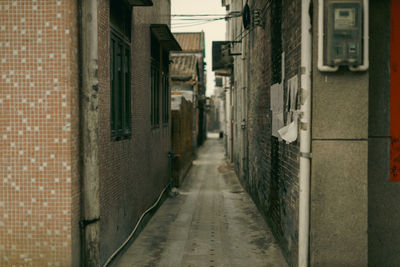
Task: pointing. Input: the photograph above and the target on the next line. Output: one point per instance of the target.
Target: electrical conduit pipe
(305, 134)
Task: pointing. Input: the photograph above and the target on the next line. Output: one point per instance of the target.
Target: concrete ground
(211, 222)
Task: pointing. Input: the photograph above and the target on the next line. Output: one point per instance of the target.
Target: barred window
(159, 84)
(155, 82)
(120, 70)
(165, 87)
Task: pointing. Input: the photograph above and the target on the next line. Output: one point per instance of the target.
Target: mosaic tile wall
(39, 193)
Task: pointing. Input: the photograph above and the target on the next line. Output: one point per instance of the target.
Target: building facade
(275, 73)
(85, 123)
(182, 137)
(193, 48)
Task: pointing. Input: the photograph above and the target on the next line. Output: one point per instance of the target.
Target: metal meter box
(343, 33)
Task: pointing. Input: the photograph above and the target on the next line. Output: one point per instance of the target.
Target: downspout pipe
(305, 134)
(89, 127)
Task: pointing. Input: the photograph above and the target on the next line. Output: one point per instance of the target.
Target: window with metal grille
(120, 70)
(165, 98)
(155, 94)
(165, 88)
(276, 41)
(159, 84)
(155, 82)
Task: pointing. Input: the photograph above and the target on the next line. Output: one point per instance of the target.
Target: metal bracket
(306, 155)
(84, 223)
(258, 19)
(243, 124)
(230, 47)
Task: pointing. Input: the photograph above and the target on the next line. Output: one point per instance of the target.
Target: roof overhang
(223, 72)
(182, 78)
(165, 37)
(139, 2)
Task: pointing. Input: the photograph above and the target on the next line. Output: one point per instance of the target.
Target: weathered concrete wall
(383, 213)
(339, 200)
(39, 195)
(133, 172)
(182, 143)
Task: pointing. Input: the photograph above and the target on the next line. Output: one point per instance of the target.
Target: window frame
(159, 84)
(155, 94)
(120, 88)
(165, 98)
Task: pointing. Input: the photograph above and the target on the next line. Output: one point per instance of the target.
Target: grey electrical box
(344, 33)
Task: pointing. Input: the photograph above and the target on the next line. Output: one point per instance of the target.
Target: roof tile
(190, 41)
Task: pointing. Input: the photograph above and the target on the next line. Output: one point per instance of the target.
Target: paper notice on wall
(277, 123)
(276, 99)
(292, 91)
(290, 131)
(292, 98)
(176, 101)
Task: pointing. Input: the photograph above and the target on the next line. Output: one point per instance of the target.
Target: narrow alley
(199, 133)
(211, 222)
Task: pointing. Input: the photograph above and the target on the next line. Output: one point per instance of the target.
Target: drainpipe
(89, 125)
(305, 133)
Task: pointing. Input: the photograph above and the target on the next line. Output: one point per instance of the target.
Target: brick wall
(133, 172)
(39, 200)
(182, 143)
(272, 175)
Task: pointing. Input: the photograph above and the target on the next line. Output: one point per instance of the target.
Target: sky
(214, 31)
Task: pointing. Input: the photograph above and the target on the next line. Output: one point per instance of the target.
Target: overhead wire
(198, 15)
(189, 20)
(205, 19)
(190, 25)
(195, 22)
(240, 35)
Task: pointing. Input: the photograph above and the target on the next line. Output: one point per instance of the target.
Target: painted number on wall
(395, 92)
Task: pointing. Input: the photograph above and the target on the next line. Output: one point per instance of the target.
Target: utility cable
(197, 15)
(207, 19)
(134, 229)
(264, 9)
(190, 25)
(185, 19)
(196, 23)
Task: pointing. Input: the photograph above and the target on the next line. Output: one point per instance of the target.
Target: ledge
(165, 37)
(139, 2)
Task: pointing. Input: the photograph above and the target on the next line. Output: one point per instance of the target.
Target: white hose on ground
(134, 229)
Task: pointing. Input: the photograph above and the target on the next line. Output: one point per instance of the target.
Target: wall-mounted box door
(344, 33)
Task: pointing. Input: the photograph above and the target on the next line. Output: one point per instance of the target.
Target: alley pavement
(211, 222)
